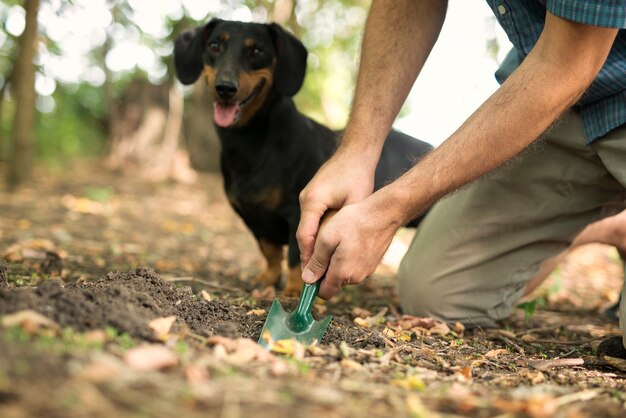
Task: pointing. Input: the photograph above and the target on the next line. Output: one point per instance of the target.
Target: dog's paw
(293, 289)
(268, 278)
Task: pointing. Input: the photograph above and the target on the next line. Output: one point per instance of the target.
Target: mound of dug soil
(129, 301)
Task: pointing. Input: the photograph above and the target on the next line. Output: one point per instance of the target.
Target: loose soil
(129, 301)
(102, 256)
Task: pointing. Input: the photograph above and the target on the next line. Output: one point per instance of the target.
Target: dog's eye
(214, 47)
(256, 53)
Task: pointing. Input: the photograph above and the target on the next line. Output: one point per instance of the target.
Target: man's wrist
(361, 154)
(394, 205)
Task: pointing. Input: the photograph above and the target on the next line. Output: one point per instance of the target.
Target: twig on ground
(202, 282)
(557, 342)
(545, 365)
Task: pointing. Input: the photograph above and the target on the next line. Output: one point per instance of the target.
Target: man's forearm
(399, 35)
(549, 81)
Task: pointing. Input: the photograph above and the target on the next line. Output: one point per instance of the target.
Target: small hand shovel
(299, 324)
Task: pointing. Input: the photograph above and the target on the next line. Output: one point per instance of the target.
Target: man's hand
(350, 245)
(398, 37)
(342, 180)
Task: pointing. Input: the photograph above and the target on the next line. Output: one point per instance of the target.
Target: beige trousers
(473, 254)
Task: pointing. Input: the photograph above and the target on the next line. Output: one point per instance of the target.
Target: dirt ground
(124, 298)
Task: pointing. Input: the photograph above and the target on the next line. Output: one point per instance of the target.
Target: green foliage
(23, 280)
(530, 307)
(67, 341)
(99, 194)
(123, 339)
(74, 127)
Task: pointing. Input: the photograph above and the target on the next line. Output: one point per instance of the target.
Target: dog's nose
(226, 89)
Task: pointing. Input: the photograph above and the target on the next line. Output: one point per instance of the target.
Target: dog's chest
(268, 198)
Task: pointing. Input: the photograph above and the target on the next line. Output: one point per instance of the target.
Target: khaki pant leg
(473, 254)
(612, 150)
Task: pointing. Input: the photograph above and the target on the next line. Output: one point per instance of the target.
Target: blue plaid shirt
(603, 106)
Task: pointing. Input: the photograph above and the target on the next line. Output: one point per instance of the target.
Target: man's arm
(399, 35)
(551, 79)
(398, 38)
(563, 63)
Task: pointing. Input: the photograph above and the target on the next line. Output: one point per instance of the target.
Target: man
(516, 207)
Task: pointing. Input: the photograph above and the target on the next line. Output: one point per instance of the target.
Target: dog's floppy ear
(290, 63)
(188, 47)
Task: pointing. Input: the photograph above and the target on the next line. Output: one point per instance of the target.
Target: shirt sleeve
(604, 13)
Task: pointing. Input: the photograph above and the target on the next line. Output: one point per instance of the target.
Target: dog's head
(241, 63)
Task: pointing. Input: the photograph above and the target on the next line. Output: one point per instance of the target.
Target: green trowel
(299, 324)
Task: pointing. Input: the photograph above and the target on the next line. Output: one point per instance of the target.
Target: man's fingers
(306, 233)
(332, 283)
(319, 260)
(316, 267)
(329, 288)
(308, 228)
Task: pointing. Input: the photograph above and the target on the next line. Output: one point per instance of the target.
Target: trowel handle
(307, 297)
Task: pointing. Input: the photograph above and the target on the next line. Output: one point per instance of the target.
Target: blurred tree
(145, 120)
(9, 51)
(23, 77)
(94, 52)
(6, 81)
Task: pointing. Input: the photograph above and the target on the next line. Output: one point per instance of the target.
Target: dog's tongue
(224, 114)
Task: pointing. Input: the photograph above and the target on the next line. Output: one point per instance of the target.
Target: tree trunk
(3, 89)
(21, 152)
(145, 135)
(200, 137)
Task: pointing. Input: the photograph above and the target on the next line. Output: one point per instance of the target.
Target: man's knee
(419, 297)
(442, 298)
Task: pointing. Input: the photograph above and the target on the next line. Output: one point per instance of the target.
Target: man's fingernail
(308, 276)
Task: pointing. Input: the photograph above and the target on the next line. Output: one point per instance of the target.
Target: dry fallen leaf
(291, 348)
(150, 357)
(371, 321)
(360, 312)
(161, 326)
(321, 309)
(409, 383)
(240, 349)
(408, 322)
(401, 335)
(265, 294)
(535, 377)
(459, 328)
(495, 353)
(82, 205)
(281, 368)
(102, 368)
(32, 248)
(243, 354)
(405, 336)
(541, 406)
(349, 364)
(258, 312)
(96, 336)
(464, 374)
(29, 320)
(416, 407)
(439, 329)
(196, 374)
(544, 365)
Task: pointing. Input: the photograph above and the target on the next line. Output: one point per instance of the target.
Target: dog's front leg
(294, 278)
(273, 254)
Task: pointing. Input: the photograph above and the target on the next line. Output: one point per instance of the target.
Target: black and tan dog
(270, 151)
